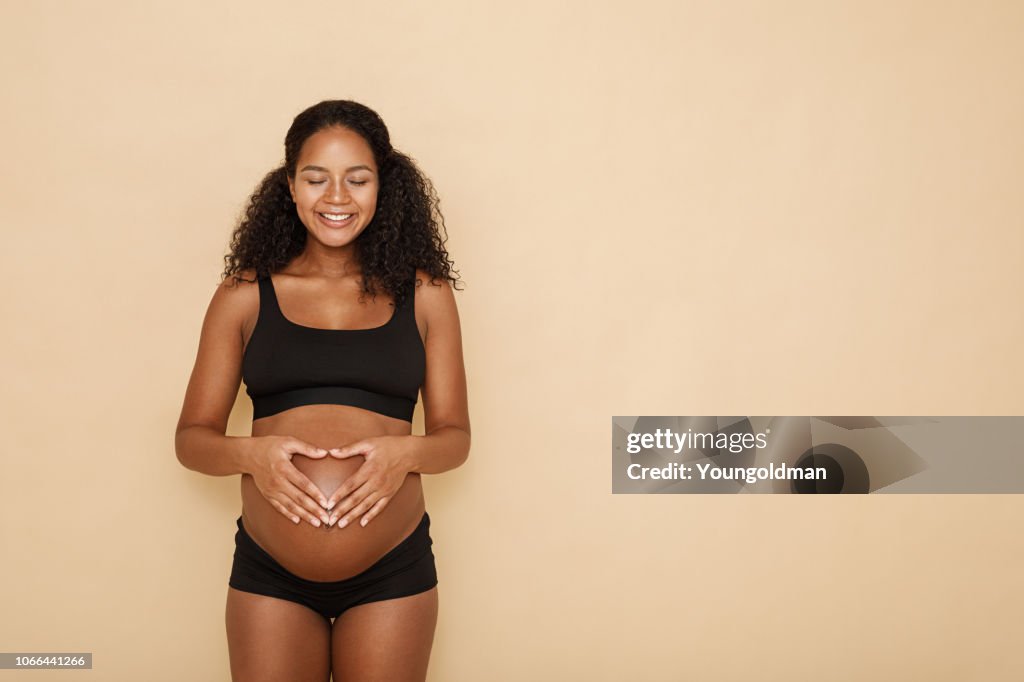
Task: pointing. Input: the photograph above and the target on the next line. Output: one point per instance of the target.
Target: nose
(337, 194)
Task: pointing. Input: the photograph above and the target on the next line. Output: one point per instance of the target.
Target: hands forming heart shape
(363, 494)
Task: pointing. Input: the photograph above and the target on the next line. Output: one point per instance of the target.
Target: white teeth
(336, 216)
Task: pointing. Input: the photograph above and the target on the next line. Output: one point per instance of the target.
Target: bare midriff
(330, 553)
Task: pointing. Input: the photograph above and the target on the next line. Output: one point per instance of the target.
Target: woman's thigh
(275, 639)
(386, 640)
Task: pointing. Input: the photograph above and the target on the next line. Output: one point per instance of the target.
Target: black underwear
(407, 569)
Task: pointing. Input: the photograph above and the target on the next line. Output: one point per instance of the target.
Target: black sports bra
(286, 365)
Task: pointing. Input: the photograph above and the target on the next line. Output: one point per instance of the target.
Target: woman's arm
(438, 451)
(208, 451)
(199, 439)
(445, 403)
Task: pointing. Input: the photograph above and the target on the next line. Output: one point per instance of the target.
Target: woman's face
(335, 175)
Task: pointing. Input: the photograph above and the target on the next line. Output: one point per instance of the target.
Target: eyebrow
(324, 170)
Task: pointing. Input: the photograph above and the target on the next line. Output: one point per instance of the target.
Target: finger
(364, 504)
(308, 507)
(280, 507)
(374, 510)
(348, 450)
(346, 505)
(302, 482)
(306, 449)
(345, 489)
(340, 501)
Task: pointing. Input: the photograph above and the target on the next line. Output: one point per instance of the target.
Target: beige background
(658, 208)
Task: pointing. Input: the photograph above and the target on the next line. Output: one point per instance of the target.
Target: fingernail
(362, 523)
(331, 505)
(316, 522)
(322, 451)
(342, 523)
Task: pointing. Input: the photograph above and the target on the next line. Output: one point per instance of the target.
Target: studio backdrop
(656, 208)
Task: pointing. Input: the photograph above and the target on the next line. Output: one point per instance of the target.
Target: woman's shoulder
(433, 296)
(244, 280)
(237, 296)
(423, 280)
(430, 288)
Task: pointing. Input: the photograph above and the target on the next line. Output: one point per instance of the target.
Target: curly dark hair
(407, 230)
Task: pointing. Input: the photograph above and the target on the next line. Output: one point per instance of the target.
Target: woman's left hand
(373, 485)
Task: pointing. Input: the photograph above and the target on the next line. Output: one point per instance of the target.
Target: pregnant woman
(337, 310)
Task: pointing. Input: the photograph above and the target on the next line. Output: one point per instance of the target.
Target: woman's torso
(278, 334)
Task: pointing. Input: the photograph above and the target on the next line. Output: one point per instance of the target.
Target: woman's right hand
(282, 483)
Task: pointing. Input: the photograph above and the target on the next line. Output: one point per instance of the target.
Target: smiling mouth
(336, 218)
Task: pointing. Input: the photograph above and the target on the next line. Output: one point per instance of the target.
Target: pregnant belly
(330, 553)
